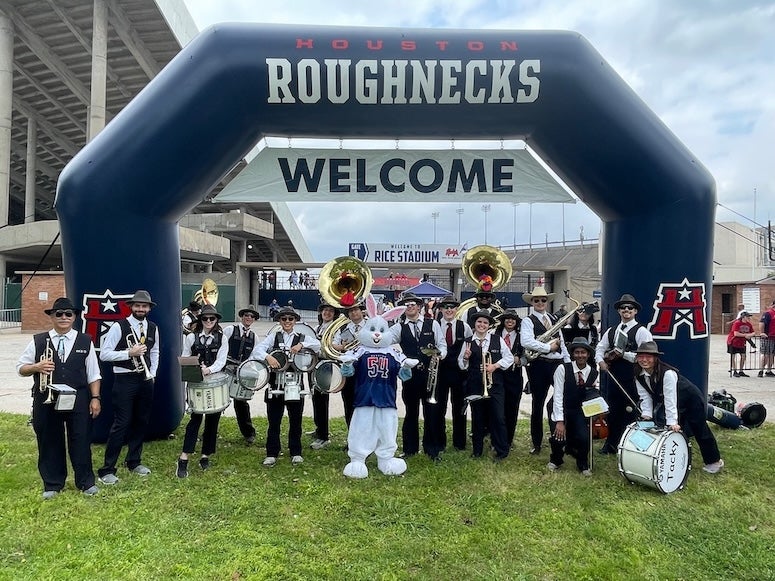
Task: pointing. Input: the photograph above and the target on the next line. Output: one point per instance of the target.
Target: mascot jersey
(375, 380)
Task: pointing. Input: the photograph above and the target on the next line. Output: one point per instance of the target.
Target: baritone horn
(479, 263)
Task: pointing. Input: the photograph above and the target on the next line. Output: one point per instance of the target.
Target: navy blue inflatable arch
(121, 197)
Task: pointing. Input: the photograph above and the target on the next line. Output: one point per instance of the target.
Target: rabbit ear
(393, 313)
(371, 305)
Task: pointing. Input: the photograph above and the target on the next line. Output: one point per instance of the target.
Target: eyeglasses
(67, 314)
(249, 315)
(449, 307)
(410, 304)
(627, 308)
(287, 318)
(539, 300)
(209, 319)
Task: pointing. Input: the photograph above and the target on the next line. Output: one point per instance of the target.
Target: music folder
(190, 370)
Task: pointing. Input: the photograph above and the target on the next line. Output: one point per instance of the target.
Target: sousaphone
(488, 269)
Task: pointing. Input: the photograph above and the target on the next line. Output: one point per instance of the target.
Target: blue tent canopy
(428, 290)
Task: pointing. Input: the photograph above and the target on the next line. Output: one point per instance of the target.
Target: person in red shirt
(739, 334)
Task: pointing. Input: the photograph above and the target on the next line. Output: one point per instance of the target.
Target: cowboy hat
(539, 292)
(248, 310)
(141, 296)
(62, 304)
(580, 343)
(209, 310)
(627, 299)
(648, 348)
(285, 311)
(508, 314)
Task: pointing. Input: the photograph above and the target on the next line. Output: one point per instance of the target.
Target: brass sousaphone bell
(484, 261)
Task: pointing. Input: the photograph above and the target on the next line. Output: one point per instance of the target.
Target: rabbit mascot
(377, 366)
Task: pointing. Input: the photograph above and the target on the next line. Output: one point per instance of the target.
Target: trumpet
(139, 362)
(44, 381)
(433, 372)
(486, 375)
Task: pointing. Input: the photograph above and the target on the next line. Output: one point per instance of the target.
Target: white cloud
(707, 69)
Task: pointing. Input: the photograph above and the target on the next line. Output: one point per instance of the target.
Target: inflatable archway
(121, 197)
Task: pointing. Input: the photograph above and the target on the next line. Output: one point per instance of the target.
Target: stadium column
(6, 107)
(29, 170)
(99, 69)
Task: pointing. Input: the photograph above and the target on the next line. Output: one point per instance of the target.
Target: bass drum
(327, 377)
(752, 414)
(655, 457)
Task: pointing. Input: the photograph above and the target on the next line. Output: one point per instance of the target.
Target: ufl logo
(101, 311)
(679, 304)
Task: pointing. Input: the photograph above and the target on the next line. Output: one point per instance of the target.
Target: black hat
(209, 310)
(482, 314)
(648, 348)
(249, 310)
(325, 305)
(194, 306)
(627, 300)
(408, 297)
(141, 296)
(508, 314)
(484, 295)
(285, 311)
(744, 314)
(448, 300)
(580, 342)
(62, 304)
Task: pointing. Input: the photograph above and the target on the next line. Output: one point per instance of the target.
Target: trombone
(44, 379)
(139, 362)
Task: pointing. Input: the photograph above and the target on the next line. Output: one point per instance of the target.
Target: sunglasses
(539, 300)
(627, 308)
(287, 318)
(208, 319)
(249, 315)
(410, 304)
(449, 307)
(67, 314)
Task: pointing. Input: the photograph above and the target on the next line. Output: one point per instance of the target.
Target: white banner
(408, 253)
(398, 175)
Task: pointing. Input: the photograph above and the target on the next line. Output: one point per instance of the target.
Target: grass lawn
(461, 519)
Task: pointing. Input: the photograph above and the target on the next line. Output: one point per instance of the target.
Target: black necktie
(624, 327)
(416, 331)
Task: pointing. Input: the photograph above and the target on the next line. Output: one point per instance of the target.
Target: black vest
(411, 346)
(278, 339)
(71, 372)
(622, 368)
(150, 340)
(474, 379)
(207, 353)
(240, 347)
(538, 326)
(513, 375)
(453, 351)
(573, 394)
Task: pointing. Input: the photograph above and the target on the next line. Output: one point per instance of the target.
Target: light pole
(485, 209)
(435, 216)
(459, 217)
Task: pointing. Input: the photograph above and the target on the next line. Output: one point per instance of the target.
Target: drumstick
(627, 395)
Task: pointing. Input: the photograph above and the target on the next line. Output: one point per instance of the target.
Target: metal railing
(10, 318)
(753, 356)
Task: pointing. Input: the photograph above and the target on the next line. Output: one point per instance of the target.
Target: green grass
(461, 519)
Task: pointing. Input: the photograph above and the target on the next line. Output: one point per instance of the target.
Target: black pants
(275, 407)
(692, 417)
(576, 440)
(459, 419)
(132, 398)
(209, 436)
(320, 405)
(434, 436)
(618, 417)
(244, 422)
(412, 393)
(513, 393)
(60, 433)
(540, 373)
(348, 399)
(497, 420)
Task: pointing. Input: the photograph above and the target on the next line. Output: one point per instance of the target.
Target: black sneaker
(204, 462)
(735, 374)
(769, 374)
(182, 470)
(760, 374)
(743, 374)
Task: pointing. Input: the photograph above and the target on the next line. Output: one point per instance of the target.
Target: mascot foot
(392, 466)
(356, 470)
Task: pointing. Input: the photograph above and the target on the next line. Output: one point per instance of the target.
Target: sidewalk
(15, 390)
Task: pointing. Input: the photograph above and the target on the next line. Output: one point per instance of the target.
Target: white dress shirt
(528, 337)
(506, 360)
(670, 392)
(558, 411)
(223, 350)
(92, 364)
(113, 336)
(604, 345)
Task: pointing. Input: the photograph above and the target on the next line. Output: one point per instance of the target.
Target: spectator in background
(767, 333)
(741, 331)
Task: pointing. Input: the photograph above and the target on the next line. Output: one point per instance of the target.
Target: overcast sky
(707, 69)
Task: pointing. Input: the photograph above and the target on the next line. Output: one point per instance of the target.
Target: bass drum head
(753, 414)
(327, 377)
(253, 374)
(282, 359)
(654, 457)
(305, 360)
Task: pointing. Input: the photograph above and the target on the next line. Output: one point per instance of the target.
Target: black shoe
(527, 389)
(606, 449)
(735, 374)
(769, 374)
(435, 459)
(760, 374)
(204, 462)
(743, 374)
(476, 455)
(407, 454)
(250, 439)
(182, 469)
(535, 451)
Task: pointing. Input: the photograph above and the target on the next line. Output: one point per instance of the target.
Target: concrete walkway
(15, 390)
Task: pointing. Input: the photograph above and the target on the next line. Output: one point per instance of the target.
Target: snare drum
(305, 360)
(752, 414)
(211, 396)
(655, 457)
(251, 376)
(327, 377)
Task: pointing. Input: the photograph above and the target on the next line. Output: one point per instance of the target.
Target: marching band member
(190, 317)
(73, 362)
(615, 354)
(320, 400)
(207, 342)
(241, 341)
(451, 378)
(276, 404)
(508, 330)
(490, 409)
(415, 334)
(134, 370)
(342, 340)
(582, 324)
(540, 371)
(484, 302)
(671, 400)
(574, 383)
